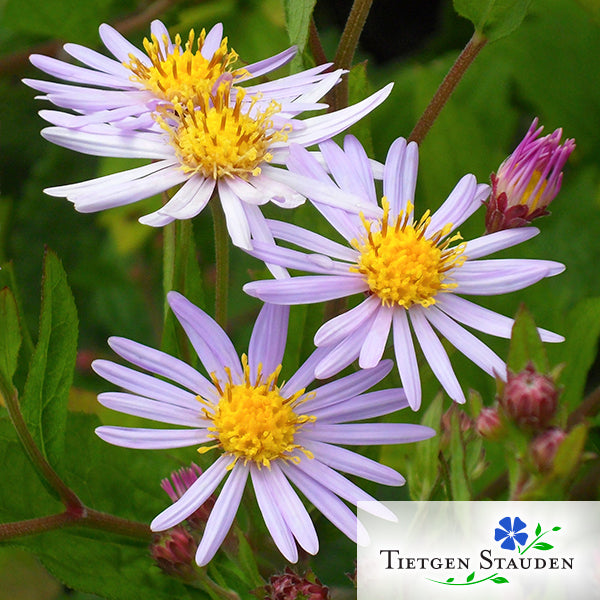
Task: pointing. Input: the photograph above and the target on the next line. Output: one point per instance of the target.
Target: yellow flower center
(526, 198)
(253, 422)
(218, 138)
(183, 74)
(401, 265)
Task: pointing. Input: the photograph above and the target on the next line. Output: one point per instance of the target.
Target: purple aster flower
(277, 434)
(528, 180)
(510, 532)
(411, 270)
(222, 143)
(124, 90)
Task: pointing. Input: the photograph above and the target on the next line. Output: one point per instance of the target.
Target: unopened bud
(463, 419)
(290, 586)
(488, 424)
(544, 447)
(173, 551)
(530, 398)
(528, 180)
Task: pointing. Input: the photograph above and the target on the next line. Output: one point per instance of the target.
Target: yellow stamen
(253, 422)
(184, 73)
(526, 198)
(216, 140)
(401, 264)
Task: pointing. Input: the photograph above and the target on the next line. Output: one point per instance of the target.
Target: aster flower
(223, 142)
(411, 270)
(126, 89)
(273, 433)
(528, 180)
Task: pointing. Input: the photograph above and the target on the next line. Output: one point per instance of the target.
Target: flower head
(290, 586)
(509, 532)
(530, 399)
(126, 89)
(544, 447)
(228, 139)
(528, 180)
(257, 426)
(412, 271)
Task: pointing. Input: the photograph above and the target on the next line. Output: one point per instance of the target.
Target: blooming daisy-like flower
(124, 90)
(411, 270)
(273, 432)
(528, 180)
(221, 142)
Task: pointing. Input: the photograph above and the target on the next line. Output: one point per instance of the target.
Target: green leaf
(471, 576)
(556, 529)
(44, 401)
(538, 529)
(297, 18)
(580, 349)
(493, 18)
(543, 546)
(526, 345)
(10, 335)
(500, 580)
(449, 579)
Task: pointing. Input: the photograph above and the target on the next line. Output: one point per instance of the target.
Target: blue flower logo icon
(510, 532)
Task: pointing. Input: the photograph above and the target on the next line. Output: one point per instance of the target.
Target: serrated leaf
(297, 19)
(500, 580)
(493, 18)
(10, 335)
(543, 546)
(471, 576)
(44, 401)
(526, 345)
(538, 529)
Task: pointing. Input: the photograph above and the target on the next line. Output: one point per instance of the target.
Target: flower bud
(530, 399)
(179, 483)
(543, 448)
(290, 586)
(528, 180)
(173, 551)
(462, 418)
(488, 423)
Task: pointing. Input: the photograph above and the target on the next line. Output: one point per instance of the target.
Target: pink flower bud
(179, 483)
(528, 180)
(530, 398)
(173, 551)
(544, 446)
(488, 424)
(290, 586)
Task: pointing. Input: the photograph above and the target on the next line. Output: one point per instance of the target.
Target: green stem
(221, 260)
(454, 75)
(347, 48)
(42, 466)
(534, 541)
(85, 517)
(468, 583)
